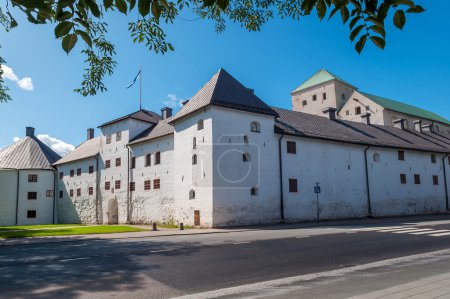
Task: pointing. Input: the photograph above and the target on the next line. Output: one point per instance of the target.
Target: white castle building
(227, 158)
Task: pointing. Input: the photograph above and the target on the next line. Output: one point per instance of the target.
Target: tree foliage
(82, 22)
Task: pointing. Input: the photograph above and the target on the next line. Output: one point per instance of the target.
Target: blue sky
(414, 68)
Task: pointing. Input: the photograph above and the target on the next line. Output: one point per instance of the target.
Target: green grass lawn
(62, 230)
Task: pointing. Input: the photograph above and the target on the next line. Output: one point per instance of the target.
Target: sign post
(317, 191)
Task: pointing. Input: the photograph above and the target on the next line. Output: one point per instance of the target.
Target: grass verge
(31, 231)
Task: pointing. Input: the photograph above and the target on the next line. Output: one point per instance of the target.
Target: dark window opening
(403, 178)
(401, 155)
(291, 147)
(31, 214)
(32, 195)
(417, 179)
(293, 185)
(32, 178)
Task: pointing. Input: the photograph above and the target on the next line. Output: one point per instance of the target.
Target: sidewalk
(435, 219)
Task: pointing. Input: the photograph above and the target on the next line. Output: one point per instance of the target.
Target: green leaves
(355, 32)
(121, 6)
(87, 39)
(68, 42)
(378, 41)
(399, 19)
(144, 7)
(63, 29)
(359, 46)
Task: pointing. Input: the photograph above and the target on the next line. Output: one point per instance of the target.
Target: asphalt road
(159, 267)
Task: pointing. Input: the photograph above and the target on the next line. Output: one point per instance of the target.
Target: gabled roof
(142, 115)
(162, 128)
(28, 153)
(320, 77)
(313, 126)
(223, 90)
(405, 108)
(87, 149)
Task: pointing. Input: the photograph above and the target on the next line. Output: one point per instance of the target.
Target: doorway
(196, 218)
(113, 211)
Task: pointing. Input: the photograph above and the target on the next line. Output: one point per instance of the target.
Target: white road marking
(395, 230)
(301, 237)
(441, 234)
(377, 228)
(237, 243)
(413, 230)
(431, 232)
(75, 259)
(161, 250)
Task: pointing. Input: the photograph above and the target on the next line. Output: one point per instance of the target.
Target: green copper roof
(320, 77)
(405, 108)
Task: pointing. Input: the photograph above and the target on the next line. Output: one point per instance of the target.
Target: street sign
(317, 189)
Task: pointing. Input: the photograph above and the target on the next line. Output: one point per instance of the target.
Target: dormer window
(255, 127)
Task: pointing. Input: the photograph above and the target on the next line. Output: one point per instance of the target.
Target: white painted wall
(233, 179)
(338, 168)
(389, 197)
(154, 205)
(8, 196)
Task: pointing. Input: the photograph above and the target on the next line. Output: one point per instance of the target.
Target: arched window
(376, 157)
(194, 159)
(194, 142)
(200, 125)
(255, 127)
(157, 158)
(246, 157)
(305, 102)
(191, 194)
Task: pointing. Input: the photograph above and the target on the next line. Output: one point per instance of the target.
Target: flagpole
(140, 89)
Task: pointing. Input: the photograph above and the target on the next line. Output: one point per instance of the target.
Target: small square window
(32, 195)
(91, 190)
(435, 180)
(200, 125)
(61, 194)
(78, 171)
(118, 136)
(71, 193)
(32, 178)
(31, 214)
(254, 191)
(347, 112)
(403, 178)
(401, 155)
(118, 162)
(157, 158)
(148, 160)
(291, 147)
(357, 110)
(117, 185)
(417, 179)
(107, 163)
(314, 98)
(133, 163)
(433, 158)
(107, 185)
(78, 192)
(304, 103)
(293, 185)
(49, 193)
(72, 173)
(156, 184)
(91, 169)
(61, 175)
(132, 186)
(324, 96)
(108, 139)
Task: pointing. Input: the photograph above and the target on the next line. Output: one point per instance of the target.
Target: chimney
(251, 90)
(331, 112)
(29, 131)
(184, 102)
(418, 125)
(166, 112)
(366, 118)
(90, 133)
(399, 123)
(428, 128)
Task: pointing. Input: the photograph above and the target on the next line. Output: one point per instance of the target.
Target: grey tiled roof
(28, 153)
(307, 125)
(142, 115)
(87, 149)
(223, 90)
(163, 128)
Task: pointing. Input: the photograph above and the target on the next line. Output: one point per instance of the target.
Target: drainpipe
(17, 197)
(97, 190)
(445, 183)
(128, 186)
(369, 204)
(281, 180)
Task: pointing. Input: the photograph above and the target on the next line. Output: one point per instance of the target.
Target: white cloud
(26, 83)
(172, 101)
(8, 73)
(16, 139)
(59, 146)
